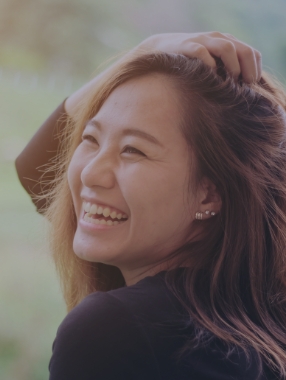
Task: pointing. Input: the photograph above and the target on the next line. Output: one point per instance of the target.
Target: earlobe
(210, 200)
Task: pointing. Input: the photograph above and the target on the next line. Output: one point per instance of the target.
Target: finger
(230, 36)
(249, 59)
(195, 50)
(248, 64)
(226, 51)
(258, 57)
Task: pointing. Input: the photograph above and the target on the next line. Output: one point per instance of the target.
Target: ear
(209, 200)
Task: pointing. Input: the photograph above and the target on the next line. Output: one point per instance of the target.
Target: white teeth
(93, 209)
(113, 214)
(99, 210)
(86, 206)
(106, 212)
(93, 221)
(88, 218)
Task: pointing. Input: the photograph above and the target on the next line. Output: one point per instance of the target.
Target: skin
(148, 181)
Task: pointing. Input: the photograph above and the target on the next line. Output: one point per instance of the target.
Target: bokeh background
(48, 48)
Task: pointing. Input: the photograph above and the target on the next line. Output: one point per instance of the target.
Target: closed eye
(131, 150)
(89, 138)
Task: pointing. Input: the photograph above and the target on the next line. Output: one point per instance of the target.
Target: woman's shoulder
(100, 339)
(119, 306)
(133, 332)
(138, 306)
(100, 314)
(148, 295)
(117, 327)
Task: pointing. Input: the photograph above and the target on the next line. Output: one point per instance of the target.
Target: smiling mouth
(97, 214)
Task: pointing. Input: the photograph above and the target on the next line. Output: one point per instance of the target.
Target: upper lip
(101, 203)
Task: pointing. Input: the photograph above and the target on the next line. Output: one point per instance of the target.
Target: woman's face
(132, 166)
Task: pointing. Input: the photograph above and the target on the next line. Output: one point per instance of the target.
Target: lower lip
(96, 227)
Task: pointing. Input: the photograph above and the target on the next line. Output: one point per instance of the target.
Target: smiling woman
(168, 215)
(135, 163)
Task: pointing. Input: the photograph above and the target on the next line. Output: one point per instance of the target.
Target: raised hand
(237, 56)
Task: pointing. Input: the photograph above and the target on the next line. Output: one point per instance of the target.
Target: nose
(99, 171)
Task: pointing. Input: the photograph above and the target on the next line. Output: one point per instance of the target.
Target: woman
(168, 214)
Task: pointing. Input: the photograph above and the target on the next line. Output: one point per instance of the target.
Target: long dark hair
(235, 286)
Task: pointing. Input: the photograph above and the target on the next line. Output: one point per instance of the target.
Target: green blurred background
(48, 48)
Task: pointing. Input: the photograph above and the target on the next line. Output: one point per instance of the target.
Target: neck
(135, 275)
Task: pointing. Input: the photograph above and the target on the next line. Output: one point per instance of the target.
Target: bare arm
(40, 150)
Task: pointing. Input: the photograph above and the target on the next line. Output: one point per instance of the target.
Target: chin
(88, 252)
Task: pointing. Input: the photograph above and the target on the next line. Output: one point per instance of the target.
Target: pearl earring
(199, 215)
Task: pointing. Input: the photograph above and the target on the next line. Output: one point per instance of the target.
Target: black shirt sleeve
(101, 340)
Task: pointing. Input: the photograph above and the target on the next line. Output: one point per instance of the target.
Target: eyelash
(92, 139)
(88, 137)
(136, 151)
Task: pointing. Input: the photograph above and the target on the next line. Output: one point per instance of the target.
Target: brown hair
(235, 287)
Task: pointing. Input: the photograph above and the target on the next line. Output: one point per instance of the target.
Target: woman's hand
(238, 57)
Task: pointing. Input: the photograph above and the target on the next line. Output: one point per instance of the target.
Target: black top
(133, 333)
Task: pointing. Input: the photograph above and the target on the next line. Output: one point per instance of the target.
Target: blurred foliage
(73, 36)
(31, 303)
(62, 35)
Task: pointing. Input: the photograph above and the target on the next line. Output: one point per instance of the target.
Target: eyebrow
(129, 132)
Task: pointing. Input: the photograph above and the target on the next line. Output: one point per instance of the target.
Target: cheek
(162, 213)
(159, 195)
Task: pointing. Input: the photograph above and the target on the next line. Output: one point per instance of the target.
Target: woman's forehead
(150, 103)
